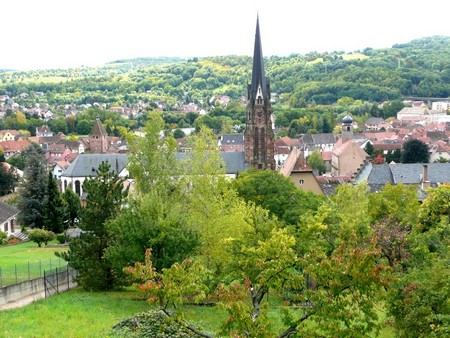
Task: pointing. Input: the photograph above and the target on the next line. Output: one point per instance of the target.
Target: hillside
(418, 68)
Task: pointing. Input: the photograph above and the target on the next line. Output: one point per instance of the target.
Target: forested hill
(418, 68)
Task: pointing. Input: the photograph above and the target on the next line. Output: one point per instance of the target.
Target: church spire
(258, 75)
(258, 135)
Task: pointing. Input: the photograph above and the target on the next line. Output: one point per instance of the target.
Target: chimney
(425, 181)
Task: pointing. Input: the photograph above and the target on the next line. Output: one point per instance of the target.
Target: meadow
(26, 261)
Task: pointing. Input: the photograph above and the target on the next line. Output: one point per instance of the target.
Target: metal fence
(20, 273)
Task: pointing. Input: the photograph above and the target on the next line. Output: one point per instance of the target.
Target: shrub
(152, 324)
(61, 238)
(3, 238)
(40, 236)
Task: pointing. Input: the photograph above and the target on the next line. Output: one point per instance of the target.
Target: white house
(8, 215)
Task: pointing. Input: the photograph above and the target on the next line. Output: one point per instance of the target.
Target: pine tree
(31, 193)
(105, 196)
(53, 210)
(73, 206)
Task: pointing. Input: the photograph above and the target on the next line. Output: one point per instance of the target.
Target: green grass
(71, 314)
(27, 261)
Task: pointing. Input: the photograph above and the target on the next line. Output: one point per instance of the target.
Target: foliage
(149, 222)
(152, 162)
(7, 180)
(31, 194)
(40, 236)
(73, 206)
(152, 324)
(275, 193)
(105, 198)
(53, 209)
(419, 301)
(315, 161)
(3, 237)
(415, 151)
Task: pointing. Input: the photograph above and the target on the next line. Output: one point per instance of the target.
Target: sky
(42, 34)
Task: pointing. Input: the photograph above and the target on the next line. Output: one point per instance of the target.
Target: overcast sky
(40, 34)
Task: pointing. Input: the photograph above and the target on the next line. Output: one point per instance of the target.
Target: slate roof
(234, 161)
(232, 139)
(411, 173)
(377, 175)
(7, 211)
(86, 164)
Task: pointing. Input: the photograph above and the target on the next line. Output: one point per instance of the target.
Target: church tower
(259, 138)
(98, 138)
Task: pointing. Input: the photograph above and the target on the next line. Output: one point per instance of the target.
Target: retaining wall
(49, 284)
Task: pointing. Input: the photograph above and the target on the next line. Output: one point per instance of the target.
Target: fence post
(45, 286)
(57, 280)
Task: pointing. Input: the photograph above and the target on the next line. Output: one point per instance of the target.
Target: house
(234, 162)
(59, 168)
(374, 123)
(231, 142)
(348, 156)
(8, 135)
(86, 165)
(8, 215)
(11, 148)
(418, 174)
(43, 131)
(296, 170)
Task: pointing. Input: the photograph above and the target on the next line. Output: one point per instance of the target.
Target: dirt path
(22, 301)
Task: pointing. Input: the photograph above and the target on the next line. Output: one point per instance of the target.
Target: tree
(53, 209)
(418, 300)
(315, 161)
(369, 149)
(31, 194)
(178, 133)
(7, 180)
(40, 236)
(105, 198)
(275, 193)
(73, 206)
(415, 151)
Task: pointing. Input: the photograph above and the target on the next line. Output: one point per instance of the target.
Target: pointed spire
(258, 74)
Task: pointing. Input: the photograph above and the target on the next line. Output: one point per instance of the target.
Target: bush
(40, 236)
(3, 238)
(152, 324)
(61, 238)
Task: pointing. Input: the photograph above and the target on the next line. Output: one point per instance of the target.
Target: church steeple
(259, 81)
(259, 137)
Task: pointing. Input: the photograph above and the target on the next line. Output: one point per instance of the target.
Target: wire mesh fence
(19, 273)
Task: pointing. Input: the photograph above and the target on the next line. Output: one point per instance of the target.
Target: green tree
(40, 236)
(275, 193)
(105, 198)
(7, 180)
(178, 133)
(415, 151)
(73, 206)
(31, 194)
(53, 209)
(315, 161)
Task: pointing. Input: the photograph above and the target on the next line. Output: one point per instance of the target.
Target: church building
(259, 139)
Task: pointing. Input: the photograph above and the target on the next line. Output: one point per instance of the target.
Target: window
(301, 182)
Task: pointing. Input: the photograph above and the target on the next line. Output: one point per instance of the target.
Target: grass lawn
(77, 313)
(27, 260)
(71, 314)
